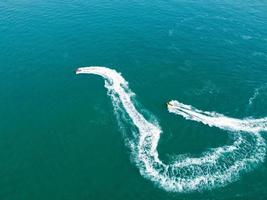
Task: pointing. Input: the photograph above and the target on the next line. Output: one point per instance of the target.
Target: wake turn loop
(214, 168)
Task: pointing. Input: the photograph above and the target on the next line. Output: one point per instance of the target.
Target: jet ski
(169, 104)
(78, 70)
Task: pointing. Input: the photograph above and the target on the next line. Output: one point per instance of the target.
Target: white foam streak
(256, 94)
(214, 168)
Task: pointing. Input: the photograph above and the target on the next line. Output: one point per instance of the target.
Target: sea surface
(60, 137)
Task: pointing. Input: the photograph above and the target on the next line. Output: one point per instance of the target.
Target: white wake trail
(214, 168)
(217, 120)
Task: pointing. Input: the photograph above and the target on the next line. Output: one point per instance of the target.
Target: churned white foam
(214, 168)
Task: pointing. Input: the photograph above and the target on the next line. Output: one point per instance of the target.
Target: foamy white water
(216, 167)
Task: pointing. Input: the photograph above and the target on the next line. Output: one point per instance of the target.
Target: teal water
(59, 137)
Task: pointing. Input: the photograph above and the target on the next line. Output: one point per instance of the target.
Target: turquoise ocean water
(59, 136)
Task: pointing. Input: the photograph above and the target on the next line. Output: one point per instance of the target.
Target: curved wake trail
(213, 168)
